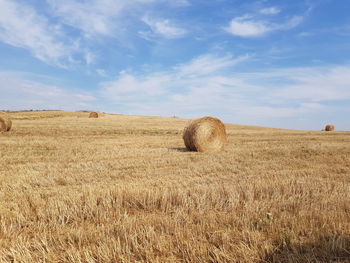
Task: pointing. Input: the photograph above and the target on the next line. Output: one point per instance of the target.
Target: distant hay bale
(3, 126)
(329, 127)
(9, 125)
(5, 122)
(93, 114)
(206, 134)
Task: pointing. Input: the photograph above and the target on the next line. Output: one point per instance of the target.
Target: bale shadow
(330, 249)
(178, 149)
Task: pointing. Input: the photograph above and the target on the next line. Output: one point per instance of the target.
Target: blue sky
(282, 64)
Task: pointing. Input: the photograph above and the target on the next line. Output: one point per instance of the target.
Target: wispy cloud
(89, 58)
(105, 17)
(244, 26)
(91, 17)
(207, 64)
(270, 11)
(20, 91)
(178, 3)
(128, 85)
(22, 26)
(64, 35)
(253, 97)
(101, 72)
(315, 84)
(249, 26)
(221, 91)
(163, 28)
(180, 77)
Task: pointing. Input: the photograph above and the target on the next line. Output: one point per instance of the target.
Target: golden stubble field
(123, 189)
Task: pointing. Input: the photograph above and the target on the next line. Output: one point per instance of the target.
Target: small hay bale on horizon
(3, 126)
(5, 122)
(93, 114)
(206, 134)
(329, 127)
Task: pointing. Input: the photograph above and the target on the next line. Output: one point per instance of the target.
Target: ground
(124, 189)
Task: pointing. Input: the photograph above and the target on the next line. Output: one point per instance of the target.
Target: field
(124, 189)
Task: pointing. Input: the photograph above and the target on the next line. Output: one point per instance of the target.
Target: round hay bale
(9, 124)
(329, 127)
(7, 121)
(206, 134)
(3, 126)
(93, 114)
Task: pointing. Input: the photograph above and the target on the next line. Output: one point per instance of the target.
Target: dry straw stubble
(206, 134)
(107, 194)
(329, 127)
(93, 114)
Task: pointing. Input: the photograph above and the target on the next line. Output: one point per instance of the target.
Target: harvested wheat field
(124, 189)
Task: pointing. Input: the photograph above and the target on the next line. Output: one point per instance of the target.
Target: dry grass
(126, 190)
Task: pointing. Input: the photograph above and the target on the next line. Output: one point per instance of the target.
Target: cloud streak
(163, 28)
(20, 91)
(105, 17)
(315, 84)
(270, 11)
(91, 17)
(21, 26)
(222, 91)
(248, 26)
(70, 31)
(193, 76)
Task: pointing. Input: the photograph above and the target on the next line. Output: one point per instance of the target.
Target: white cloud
(68, 34)
(196, 74)
(180, 3)
(19, 91)
(236, 97)
(148, 35)
(256, 97)
(21, 26)
(247, 26)
(270, 11)
(89, 58)
(315, 84)
(92, 16)
(291, 23)
(101, 72)
(104, 17)
(305, 34)
(183, 90)
(127, 85)
(163, 28)
(207, 64)
(281, 111)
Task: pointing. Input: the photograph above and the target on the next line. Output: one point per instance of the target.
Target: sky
(283, 64)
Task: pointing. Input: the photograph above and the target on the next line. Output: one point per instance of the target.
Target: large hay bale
(93, 114)
(206, 134)
(5, 123)
(329, 127)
